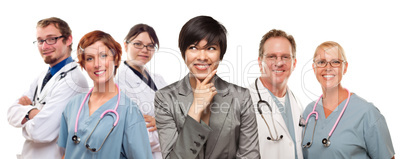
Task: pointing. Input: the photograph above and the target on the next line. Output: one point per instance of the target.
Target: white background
(369, 32)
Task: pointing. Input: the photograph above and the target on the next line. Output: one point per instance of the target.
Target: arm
(248, 142)
(31, 113)
(148, 112)
(16, 113)
(44, 127)
(63, 133)
(175, 144)
(377, 136)
(135, 142)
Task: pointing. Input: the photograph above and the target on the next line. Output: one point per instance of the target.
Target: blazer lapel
(185, 95)
(131, 78)
(220, 107)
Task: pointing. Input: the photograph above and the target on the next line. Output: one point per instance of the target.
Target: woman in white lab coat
(137, 82)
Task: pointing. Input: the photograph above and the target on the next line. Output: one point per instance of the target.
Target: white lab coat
(42, 131)
(139, 92)
(283, 148)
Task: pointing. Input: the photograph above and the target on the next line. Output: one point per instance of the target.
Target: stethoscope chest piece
(76, 139)
(308, 144)
(326, 142)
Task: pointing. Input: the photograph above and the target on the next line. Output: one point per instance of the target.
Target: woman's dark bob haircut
(140, 28)
(199, 28)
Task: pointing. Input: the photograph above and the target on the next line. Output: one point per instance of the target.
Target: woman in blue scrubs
(103, 123)
(361, 132)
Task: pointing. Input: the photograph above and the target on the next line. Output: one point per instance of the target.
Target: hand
(31, 115)
(151, 122)
(203, 95)
(24, 101)
(204, 91)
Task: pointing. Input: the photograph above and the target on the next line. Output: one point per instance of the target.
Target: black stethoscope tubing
(260, 101)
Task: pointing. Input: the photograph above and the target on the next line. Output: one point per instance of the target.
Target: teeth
(202, 66)
(98, 73)
(279, 71)
(328, 76)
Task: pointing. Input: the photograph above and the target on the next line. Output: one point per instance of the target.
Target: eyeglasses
(284, 58)
(149, 47)
(333, 63)
(49, 41)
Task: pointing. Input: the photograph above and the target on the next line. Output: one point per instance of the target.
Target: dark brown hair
(140, 28)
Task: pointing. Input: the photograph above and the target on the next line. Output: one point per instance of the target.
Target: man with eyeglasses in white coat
(278, 110)
(38, 111)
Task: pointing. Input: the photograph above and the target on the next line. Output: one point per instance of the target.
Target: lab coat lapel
(49, 85)
(133, 81)
(296, 113)
(40, 81)
(38, 90)
(220, 108)
(278, 119)
(157, 80)
(131, 78)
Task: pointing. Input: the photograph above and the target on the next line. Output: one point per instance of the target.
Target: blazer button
(202, 136)
(197, 144)
(194, 151)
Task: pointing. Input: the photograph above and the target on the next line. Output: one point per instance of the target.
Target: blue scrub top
(129, 139)
(361, 132)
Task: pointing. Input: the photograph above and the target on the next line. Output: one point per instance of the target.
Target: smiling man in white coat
(39, 109)
(278, 110)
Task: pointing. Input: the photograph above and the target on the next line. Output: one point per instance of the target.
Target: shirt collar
(149, 82)
(57, 67)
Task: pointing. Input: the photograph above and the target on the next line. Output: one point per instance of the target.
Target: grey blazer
(232, 130)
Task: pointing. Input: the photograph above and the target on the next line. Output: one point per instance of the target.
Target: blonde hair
(330, 44)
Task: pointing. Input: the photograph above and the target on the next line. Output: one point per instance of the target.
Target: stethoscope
(326, 142)
(41, 98)
(77, 139)
(260, 101)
